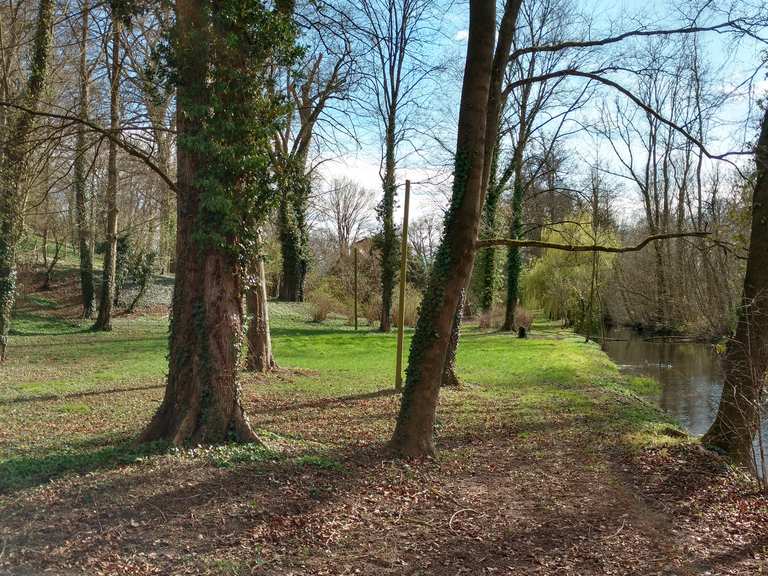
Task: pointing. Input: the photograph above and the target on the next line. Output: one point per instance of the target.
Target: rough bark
(260, 357)
(453, 263)
(13, 195)
(80, 176)
(106, 301)
(202, 395)
(746, 358)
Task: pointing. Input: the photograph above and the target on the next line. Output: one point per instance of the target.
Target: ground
(549, 462)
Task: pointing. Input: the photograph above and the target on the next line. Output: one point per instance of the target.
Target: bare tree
(325, 77)
(396, 31)
(16, 128)
(346, 206)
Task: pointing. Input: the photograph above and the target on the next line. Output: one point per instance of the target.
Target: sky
(430, 173)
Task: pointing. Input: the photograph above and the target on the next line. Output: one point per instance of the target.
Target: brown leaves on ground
(506, 496)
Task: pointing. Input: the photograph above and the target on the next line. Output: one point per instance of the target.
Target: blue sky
(731, 64)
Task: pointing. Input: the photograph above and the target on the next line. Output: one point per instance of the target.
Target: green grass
(72, 400)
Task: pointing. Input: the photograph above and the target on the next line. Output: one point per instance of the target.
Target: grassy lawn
(545, 442)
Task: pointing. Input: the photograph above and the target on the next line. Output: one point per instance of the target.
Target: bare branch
(585, 248)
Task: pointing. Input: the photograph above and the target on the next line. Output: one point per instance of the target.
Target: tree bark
(260, 357)
(389, 251)
(514, 258)
(81, 147)
(294, 235)
(450, 378)
(202, 395)
(453, 263)
(13, 194)
(106, 302)
(487, 257)
(746, 357)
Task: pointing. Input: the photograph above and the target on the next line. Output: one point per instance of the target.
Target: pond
(688, 372)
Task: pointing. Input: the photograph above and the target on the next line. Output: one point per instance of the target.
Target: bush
(324, 300)
(523, 318)
(412, 303)
(320, 306)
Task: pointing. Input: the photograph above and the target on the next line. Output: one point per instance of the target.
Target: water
(688, 372)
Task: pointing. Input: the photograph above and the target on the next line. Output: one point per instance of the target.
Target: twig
(450, 522)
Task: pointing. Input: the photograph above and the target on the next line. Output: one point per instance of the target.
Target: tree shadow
(58, 326)
(327, 402)
(29, 470)
(84, 394)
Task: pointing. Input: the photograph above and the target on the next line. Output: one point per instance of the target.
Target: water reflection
(689, 374)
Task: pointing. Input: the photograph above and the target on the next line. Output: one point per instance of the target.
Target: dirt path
(553, 493)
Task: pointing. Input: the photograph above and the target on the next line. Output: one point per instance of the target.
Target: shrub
(324, 300)
(411, 308)
(523, 318)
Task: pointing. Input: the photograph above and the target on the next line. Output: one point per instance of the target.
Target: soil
(555, 497)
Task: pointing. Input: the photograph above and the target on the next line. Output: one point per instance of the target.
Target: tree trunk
(106, 302)
(514, 258)
(202, 394)
(389, 251)
(13, 194)
(453, 263)
(83, 229)
(167, 224)
(487, 256)
(260, 357)
(450, 378)
(294, 236)
(746, 357)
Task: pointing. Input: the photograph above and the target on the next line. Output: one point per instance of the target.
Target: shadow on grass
(25, 324)
(26, 471)
(84, 394)
(327, 402)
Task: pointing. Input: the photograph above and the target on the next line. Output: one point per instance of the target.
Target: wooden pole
(355, 289)
(401, 304)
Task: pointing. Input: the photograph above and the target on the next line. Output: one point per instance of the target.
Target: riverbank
(549, 463)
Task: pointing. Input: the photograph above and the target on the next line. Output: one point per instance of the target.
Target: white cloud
(461, 36)
(365, 171)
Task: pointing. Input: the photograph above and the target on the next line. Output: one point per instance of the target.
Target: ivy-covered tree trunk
(453, 262)
(487, 257)
(294, 233)
(386, 213)
(450, 378)
(202, 395)
(746, 357)
(13, 164)
(260, 357)
(514, 258)
(106, 301)
(80, 176)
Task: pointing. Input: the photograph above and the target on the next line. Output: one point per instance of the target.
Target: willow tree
(746, 357)
(14, 156)
(480, 99)
(227, 113)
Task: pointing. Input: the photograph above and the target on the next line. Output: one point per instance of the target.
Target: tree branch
(585, 247)
(127, 147)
